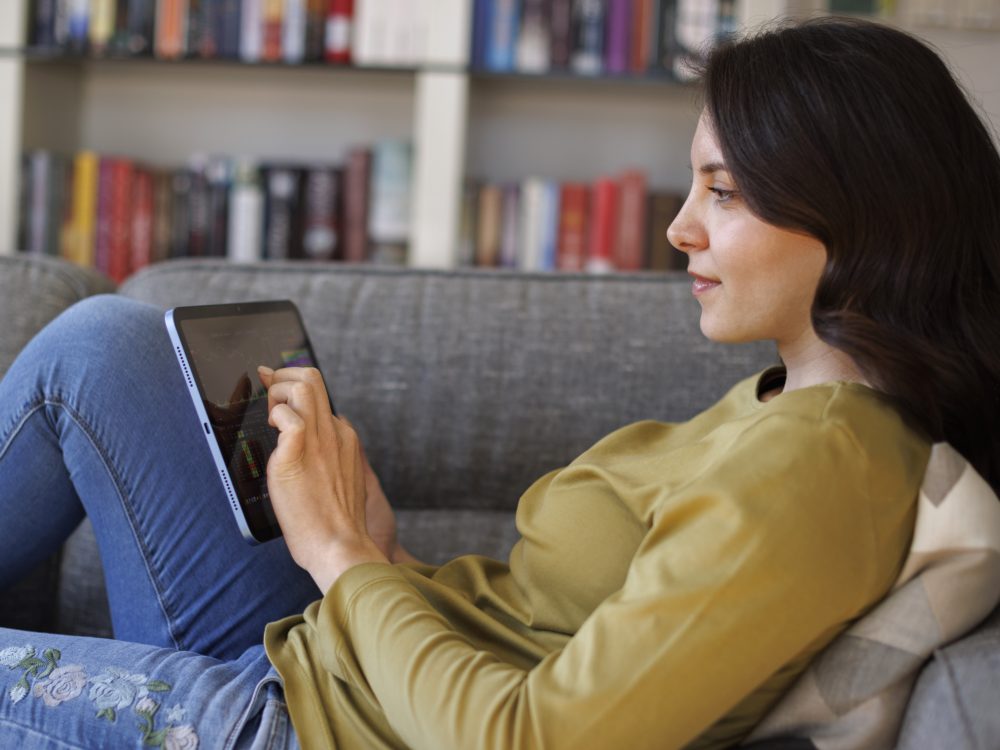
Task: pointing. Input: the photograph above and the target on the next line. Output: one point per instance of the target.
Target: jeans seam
(116, 480)
(19, 423)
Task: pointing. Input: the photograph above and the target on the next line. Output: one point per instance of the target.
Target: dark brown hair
(857, 134)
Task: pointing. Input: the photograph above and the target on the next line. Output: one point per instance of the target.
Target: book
(588, 36)
(550, 235)
(180, 212)
(662, 210)
(664, 35)
(604, 226)
(120, 220)
(467, 224)
(619, 28)
(489, 226)
(162, 214)
(246, 214)
(102, 25)
(339, 31)
(251, 30)
(640, 38)
(142, 227)
(533, 42)
(197, 208)
(102, 225)
(78, 26)
(357, 192)
(171, 29)
(229, 23)
(696, 25)
(533, 223)
(561, 33)
(293, 31)
(571, 250)
(43, 24)
(218, 176)
(481, 25)
(282, 211)
(389, 213)
(79, 237)
(321, 216)
(502, 35)
(630, 245)
(510, 233)
(315, 38)
(273, 20)
(134, 27)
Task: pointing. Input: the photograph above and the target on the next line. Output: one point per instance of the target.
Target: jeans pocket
(270, 729)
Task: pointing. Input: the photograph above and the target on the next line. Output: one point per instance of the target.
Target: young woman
(845, 203)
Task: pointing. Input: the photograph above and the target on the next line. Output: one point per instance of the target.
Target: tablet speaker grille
(229, 490)
(180, 358)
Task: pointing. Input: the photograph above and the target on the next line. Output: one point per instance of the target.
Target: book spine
(60, 24)
(572, 249)
(139, 28)
(197, 209)
(490, 225)
(481, 25)
(467, 225)
(532, 223)
(142, 220)
(663, 209)
(230, 23)
(604, 212)
(666, 39)
(510, 257)
(533, 43)
(217, 178)
(120, 223)
(631, 242)
(36, 194)
(639, 50)
(102, 25)
(246, 215)
(389, 217)
(79, 25)
(43, 25)
(588, 36)
(321, 228)
(561, 31)
(171, 29)
(316, 12)
(550, 234)
(274, 11)
(61, 185)
(102, 232)
(339, 31)
(203, 31)
(180, 213)
(162, 214)
(357, 192)
(503, 35)
(293, 32)
(697, 24)
(251, 30)
(616, 52)
(280, 212)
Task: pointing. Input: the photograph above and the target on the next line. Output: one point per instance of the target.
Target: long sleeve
(756, 562)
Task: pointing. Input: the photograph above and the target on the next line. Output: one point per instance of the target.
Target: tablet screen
(224, 352)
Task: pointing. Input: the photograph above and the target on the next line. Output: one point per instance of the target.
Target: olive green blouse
(668, 586)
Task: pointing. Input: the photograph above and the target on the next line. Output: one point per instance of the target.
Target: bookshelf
(462, 122)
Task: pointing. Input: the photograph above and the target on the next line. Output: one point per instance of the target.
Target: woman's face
(753, 280)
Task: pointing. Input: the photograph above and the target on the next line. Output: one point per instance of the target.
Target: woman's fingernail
(264, 370)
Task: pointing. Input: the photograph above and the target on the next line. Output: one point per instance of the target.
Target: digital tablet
(219, 348)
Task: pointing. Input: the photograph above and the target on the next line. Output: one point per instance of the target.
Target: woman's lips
(702, 285)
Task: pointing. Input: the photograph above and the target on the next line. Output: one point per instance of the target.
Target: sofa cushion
(34, 290)
(955, 701)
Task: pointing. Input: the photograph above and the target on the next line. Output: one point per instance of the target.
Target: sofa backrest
(468, 385)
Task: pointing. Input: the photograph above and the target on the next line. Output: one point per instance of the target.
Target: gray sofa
(466, 386)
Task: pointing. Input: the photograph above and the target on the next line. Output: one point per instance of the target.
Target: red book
(639, 49)
(339, 24)
(142, 219)
(273, 26)
(357, 182)
(102, 225)
(604, 226)
(120, 230)
(631, 244)
(572, 242)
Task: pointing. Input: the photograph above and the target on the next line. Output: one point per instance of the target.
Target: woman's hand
(316, 477)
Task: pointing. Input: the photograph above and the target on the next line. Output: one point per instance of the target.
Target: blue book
(503, 29)
(481, 21)
(550, 237)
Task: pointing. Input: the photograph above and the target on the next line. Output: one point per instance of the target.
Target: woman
(670, 583)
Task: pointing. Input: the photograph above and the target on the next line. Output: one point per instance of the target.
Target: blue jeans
(95, 419)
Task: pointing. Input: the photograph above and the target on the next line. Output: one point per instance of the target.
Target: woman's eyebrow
(712, 166)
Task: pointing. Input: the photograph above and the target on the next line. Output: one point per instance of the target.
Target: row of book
(363, 32)
(118, 215)
(613, 224)
(596, 37)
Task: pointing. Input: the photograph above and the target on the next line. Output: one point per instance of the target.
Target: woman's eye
(722, 195)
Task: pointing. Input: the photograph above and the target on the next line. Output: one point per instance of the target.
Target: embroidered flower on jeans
(175, 714)
(18, 692)
(180, 738)
(13, 655)
(62, 684)
(115, 690)
(146, 706)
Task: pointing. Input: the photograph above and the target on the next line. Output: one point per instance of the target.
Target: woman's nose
(686, 233)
